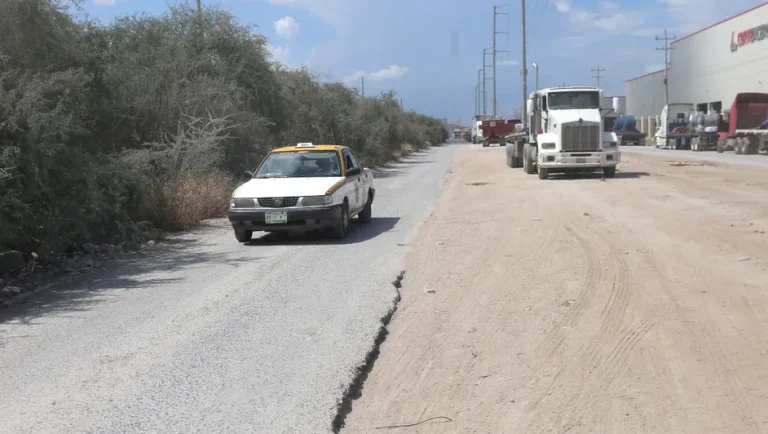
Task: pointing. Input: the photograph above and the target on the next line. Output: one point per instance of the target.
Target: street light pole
(524, 71)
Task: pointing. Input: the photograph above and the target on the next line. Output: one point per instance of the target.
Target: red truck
(744, 128)
(495, 130)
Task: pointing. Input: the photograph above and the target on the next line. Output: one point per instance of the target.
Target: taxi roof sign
(305, 145)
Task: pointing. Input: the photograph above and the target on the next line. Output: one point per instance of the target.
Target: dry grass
(182, 203)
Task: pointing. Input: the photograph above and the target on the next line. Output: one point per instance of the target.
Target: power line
(597, 74)
(666, 48)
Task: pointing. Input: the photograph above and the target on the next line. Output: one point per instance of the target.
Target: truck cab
(568, 133)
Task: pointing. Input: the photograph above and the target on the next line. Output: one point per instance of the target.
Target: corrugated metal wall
(645, 95)
(704, 69)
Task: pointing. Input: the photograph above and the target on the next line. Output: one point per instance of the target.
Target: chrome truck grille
(581, 137)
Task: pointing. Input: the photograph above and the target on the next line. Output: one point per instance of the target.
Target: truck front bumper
(577, 160)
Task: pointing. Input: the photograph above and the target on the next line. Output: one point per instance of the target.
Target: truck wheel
(528, 161)
(719, 146)
(543, 173)
(243, 236)
(341, 227)
(485, 143)
(695, 144)
(609, 172)
(751, 145)
(365, 214)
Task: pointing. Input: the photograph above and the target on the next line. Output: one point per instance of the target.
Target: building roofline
(721, 22)
(644, 75)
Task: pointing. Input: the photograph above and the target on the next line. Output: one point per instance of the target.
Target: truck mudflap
(575, 160)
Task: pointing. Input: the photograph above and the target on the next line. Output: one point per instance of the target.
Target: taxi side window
(350, 160)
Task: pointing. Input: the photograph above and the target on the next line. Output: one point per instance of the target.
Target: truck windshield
(574, 100)
(300, 164)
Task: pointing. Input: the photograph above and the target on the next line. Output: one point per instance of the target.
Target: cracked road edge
(355, 389)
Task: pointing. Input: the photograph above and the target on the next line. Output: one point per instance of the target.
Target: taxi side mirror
(248, 174)
(353, 171)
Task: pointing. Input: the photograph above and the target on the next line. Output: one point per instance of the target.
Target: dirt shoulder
(628, 305)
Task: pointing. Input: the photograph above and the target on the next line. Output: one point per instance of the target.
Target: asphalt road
(711, 156)
(207, 335)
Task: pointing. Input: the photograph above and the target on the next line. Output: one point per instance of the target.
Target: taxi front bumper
(297, 218)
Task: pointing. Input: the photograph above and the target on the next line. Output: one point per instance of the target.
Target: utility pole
(199, 6)
(524, 70)
(485, 78)
(666, 48)
(478, 87)
(597, 74)
(362, 86)
(495, 14)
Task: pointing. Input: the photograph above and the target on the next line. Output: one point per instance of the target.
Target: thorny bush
(153, 118)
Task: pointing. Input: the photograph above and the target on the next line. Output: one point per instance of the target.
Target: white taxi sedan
(303, 188)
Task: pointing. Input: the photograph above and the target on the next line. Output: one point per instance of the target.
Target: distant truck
(675, 130)
(457, 133)
(745, 126)
(496, 130)
(626, 131)
(477, 128)
(707, 128)
(566, 133)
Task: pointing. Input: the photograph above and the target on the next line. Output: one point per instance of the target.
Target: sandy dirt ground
(630, 305)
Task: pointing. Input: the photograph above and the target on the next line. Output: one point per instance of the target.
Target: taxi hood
(286, 187)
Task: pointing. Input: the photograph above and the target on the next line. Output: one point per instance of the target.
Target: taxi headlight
(317, 200)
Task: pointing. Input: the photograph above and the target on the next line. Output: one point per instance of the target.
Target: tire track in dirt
(603, 372)
(593, 274)
(712, 344)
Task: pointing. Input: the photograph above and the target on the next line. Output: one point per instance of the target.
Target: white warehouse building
(708, 68)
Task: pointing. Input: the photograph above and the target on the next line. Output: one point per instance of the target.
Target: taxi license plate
(581, 160)
(276, 218)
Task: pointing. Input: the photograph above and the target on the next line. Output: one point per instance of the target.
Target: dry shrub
(182, 203)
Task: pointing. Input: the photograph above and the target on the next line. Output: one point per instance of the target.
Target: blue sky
(429, 50)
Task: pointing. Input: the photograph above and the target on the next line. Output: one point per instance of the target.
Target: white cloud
(279, 54)
(105, 2)
(393, 72)
(286, 27)
(692, 15)
(563, 6)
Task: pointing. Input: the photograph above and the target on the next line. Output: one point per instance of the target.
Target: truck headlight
(317, 200)
(609, 144)
(547, 146)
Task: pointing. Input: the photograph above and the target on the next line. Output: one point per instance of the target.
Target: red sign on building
(755, 34)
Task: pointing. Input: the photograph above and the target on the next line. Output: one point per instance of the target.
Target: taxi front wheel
(243, 236)
(365, 214)
(342, 225)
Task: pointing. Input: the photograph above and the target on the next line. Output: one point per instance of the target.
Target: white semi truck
(566, 132)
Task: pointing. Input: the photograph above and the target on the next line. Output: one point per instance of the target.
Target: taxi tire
(243, 236)
(366, 213)
(341, 228)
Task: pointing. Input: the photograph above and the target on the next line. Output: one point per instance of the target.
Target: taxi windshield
(300, 164)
